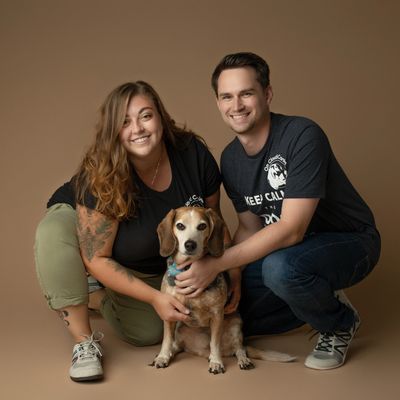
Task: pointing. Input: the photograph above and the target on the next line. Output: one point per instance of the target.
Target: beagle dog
(187, 234)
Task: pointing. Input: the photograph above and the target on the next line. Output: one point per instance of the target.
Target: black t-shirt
(296, 162)
(195, 176)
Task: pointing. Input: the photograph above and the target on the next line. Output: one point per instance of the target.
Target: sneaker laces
(90, 347)
(325, 341)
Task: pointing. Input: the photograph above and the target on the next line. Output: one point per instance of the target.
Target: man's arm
(235, 277)
(249, 224)
(290, 229)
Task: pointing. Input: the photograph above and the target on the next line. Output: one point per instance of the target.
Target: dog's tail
(259, 354)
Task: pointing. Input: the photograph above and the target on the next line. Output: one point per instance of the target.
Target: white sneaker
(86, 359)
(330, 351)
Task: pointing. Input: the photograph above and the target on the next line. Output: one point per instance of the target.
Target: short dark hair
(241, 60)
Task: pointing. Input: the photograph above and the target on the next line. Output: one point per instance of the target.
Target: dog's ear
(166, 236)
(215, 242)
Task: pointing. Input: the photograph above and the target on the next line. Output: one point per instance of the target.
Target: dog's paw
(160, 362)
(246, 363)
(216, 368)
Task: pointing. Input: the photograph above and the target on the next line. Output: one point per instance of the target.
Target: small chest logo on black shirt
(276, 172)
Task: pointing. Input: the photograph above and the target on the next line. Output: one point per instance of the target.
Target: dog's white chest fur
(203, 307)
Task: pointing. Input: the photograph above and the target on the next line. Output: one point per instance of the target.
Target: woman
(139, 167)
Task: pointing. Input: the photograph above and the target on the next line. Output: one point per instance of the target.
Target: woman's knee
(59, 266)
(55, 228)
(143, 335)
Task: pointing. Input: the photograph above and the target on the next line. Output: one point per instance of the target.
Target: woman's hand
(169, 308)
(198, 277)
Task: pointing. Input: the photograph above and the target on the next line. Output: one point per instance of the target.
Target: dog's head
(188, 233)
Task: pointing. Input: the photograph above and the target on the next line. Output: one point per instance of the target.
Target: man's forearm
(251, 247)
(241, 235)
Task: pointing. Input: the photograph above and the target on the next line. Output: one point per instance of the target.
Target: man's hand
(198, 277)
(169, 308)
(235, 276)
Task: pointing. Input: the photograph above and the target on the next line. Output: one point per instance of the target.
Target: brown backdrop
(336, 62)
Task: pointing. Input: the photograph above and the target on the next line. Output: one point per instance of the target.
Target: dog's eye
(202, 226)
(180, 226)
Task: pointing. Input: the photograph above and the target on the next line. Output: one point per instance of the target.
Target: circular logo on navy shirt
(276, 172)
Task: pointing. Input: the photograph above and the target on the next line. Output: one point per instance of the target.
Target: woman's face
(142, 131)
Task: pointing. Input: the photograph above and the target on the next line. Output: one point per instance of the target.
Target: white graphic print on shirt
(272, 201)
(195, 201)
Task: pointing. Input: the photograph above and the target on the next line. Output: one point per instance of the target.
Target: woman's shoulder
(64, 194)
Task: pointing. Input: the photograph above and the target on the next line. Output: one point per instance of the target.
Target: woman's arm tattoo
(119, 268)
(92, 237)
(94, 229)
(64, 315)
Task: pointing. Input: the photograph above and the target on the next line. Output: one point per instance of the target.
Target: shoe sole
(323, 368)
(87, 378)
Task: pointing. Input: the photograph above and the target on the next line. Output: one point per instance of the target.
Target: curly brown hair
(105, 171)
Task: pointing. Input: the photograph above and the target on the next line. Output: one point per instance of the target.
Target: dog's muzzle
(190, 246)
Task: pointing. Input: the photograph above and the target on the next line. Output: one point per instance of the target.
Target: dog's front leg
(233, 330)
(168, 347)
(215, 365)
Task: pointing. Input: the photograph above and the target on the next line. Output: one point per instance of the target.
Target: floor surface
(36, 352)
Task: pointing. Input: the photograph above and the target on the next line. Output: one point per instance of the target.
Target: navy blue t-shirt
(195, 176)
(295, 162)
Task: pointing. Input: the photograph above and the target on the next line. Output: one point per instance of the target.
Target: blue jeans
(296, 285)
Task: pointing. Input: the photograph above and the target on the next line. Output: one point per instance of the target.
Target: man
(304, 232)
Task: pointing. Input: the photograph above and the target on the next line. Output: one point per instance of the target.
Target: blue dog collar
(172, 271)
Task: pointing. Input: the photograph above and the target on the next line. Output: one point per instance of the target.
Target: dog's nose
(190, 245)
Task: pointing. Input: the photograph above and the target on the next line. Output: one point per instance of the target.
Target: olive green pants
(63, 279)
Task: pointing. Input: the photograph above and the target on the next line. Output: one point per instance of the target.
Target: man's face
(242, 102)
